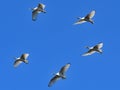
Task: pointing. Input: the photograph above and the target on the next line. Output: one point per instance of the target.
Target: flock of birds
(61, 74)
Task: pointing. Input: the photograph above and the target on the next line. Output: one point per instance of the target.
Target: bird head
(78, 17)
(16, 58)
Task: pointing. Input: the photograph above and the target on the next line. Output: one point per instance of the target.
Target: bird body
(87, 18)
(60, 74)
(36, 10)
(96, 48)
(21, 59)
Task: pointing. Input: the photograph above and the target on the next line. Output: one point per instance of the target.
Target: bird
(59, 75)
(37, 10)
(21, 59)
(87, 18)
(96, 48)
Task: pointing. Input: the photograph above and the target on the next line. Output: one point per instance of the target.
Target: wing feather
(90, 15)
(91, 51)
(41, 6)
(100, 45)
(65, 68)
(24, 56)
(53, 80)
(80, 21)
(34, 15)
(17, 63)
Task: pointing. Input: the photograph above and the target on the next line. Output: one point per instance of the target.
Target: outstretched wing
(64, 68)
(80, 22)
(41, 6)
(91, 51)
(34, 15)
(90, 15)
(53, 80)
(24, 56)
(17, 63)
(100, 45)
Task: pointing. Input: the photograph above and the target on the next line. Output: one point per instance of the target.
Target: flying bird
(37, 10)
(87, 18)
(21, 59)
(59, 75)
(96, 48)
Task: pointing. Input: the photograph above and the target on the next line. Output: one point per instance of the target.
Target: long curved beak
(78, 17)
(15, 58)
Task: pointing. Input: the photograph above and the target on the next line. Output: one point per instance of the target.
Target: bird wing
(91, 51)
(64, 68)
(34, 15)
(100, 45)
(17, 63)
(24, 56)
(53, 80)
(41, 6)
(90, 15)
(80, 21)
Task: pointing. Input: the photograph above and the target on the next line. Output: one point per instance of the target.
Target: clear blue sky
(53, 40)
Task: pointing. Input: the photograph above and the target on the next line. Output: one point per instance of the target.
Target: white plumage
(60, 74)
(21, 59)
(36, 10)
(87, 18)
(96, 48)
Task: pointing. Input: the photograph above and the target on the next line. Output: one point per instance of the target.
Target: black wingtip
(33, 19)
(49, 85)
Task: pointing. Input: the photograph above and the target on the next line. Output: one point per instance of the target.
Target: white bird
(36, 10)
(21, 59)
(96, 48)
(60, 74)
(87, 18)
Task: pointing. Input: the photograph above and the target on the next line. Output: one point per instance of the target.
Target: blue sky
(53, 40)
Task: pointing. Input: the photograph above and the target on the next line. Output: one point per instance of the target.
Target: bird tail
(91, 21)
(26, 61)
(100, 51)
(44, 11)
(63, 77)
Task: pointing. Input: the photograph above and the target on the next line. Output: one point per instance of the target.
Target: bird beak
(15, 58)
(78, 17)
(87, 47)
(31, 9)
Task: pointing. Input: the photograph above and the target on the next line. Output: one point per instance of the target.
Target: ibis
(87, 18)
(37, 10)
(21, 59)
(59, 75)
(96, 48)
